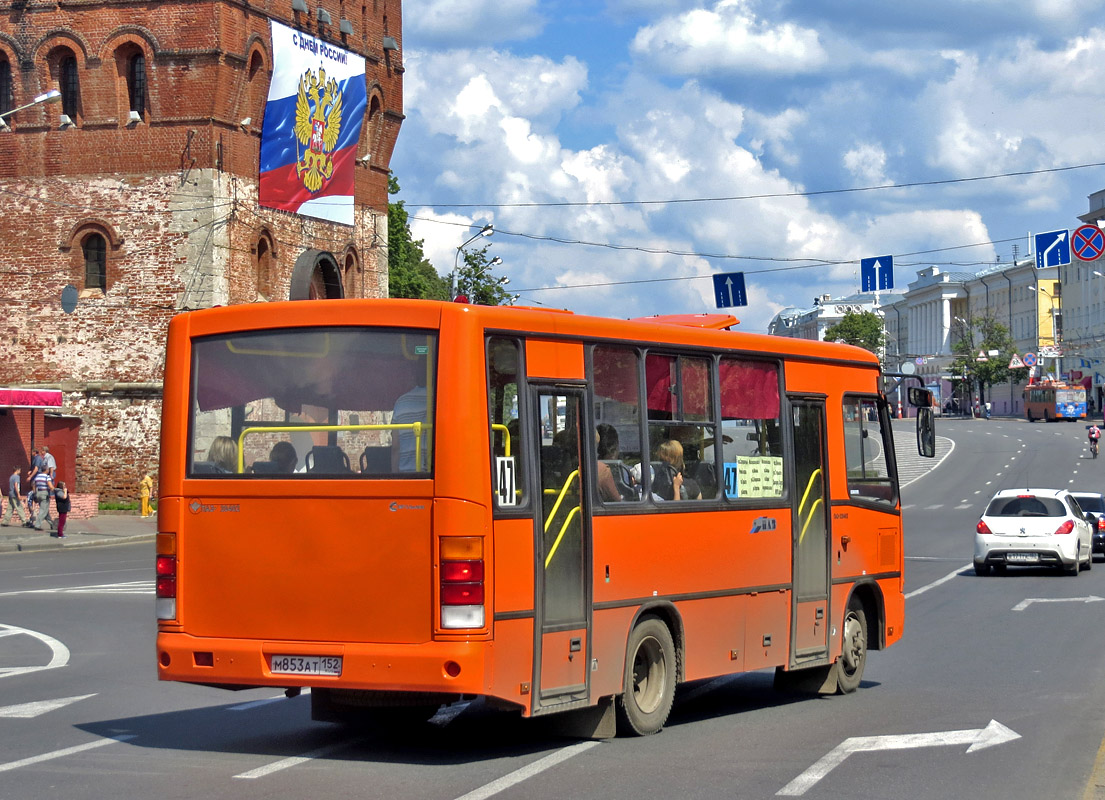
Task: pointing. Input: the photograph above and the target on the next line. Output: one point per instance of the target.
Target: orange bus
(402, 504)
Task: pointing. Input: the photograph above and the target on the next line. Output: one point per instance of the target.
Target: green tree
(475, 280)
(862, 330)
(410, 274)
(984, 335)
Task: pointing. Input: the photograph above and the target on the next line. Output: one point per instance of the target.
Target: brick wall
(84, 506)
(174, 198)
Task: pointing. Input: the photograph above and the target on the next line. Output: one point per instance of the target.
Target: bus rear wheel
(853, 655)
(649, 678)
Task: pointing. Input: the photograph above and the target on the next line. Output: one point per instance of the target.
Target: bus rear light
(983, 528)
(166, 587)
(461, 594)
(462, 572)
(462, 617)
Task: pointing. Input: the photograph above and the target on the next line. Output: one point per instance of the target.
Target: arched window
(5, 88)
(70, 87)
(95, 262)
(265, 269)
(136, 82)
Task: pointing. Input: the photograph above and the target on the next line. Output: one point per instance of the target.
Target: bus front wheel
(649, 678)
(853, 655)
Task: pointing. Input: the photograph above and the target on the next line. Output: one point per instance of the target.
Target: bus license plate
(1022, 558)
(306, 665)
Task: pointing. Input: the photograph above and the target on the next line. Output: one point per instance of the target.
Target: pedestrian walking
(145, 489)
(15, 499)
(49, 464)
(44, 489)
(62, 504)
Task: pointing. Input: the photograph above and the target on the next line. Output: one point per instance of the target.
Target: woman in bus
(681, 488)
(223, 453)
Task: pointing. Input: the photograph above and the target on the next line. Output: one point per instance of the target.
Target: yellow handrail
(506, 437)
(559, 536)
(414, 427)
(560, 499)
(806, 494)
(809, 519)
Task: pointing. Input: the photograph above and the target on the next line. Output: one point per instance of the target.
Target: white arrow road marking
(132, 587)
(978, 738)
(32, 710)
(1021, 606)
(59, 653)
(528, 771)
(284, 763)
(80, 748)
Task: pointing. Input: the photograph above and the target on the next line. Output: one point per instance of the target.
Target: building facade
(140, 187)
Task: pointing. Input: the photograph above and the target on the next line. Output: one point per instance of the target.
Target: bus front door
(811, 618)
(563, 536)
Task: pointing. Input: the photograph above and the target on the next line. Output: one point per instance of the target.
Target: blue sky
(548, 119)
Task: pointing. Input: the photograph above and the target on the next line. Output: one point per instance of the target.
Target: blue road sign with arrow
(1052, 249)
(876, 274)
(729, 290)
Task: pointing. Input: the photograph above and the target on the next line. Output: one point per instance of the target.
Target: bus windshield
(329, 402)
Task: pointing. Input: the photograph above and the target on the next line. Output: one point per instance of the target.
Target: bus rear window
(335, 402)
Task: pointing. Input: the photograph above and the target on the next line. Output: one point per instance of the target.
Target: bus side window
(507, 434)
(865, 452)
(617, 405)
(751, 431)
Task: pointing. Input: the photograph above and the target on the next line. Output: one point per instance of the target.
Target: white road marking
(979, 739)
(285, 763)
(67, 751)
(962, 506)
(933, 508)
(59, 653)
(132, 587)
(1021, 606)
(528, 771)
(936, 583)
(37, 709)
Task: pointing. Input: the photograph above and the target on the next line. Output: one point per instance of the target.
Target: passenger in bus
(284, 456)
(679, 487)
(606, 443)
(223, 453)
(410, 408)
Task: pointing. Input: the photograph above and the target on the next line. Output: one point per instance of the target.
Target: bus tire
(853, 654)
(649, 688)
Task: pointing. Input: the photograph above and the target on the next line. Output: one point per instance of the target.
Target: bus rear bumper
(450, 667)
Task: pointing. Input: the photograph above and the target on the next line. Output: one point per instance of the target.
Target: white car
(1033, 527)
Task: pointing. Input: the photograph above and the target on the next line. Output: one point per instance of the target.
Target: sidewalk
(99, 530)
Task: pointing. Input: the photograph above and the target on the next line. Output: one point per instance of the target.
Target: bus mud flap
(811, 680)
(596, 722)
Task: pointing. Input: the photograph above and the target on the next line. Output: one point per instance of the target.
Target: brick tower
(139, 186)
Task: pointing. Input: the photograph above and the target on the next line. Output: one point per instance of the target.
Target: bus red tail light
(166, 587)
(462, 595)
(1066, 527)
(983, 528)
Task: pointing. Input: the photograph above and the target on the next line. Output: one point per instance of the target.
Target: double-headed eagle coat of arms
(317, 125)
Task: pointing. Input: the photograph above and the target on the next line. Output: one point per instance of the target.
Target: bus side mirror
(926, 432)
(921, 398)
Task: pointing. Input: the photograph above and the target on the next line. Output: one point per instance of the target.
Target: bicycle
(1093, 447)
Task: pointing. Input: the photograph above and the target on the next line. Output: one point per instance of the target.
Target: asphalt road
(82, 715)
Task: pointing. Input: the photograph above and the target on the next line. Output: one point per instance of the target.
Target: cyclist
(1094, 434)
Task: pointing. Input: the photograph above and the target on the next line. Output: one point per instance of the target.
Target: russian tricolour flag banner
(313, 119)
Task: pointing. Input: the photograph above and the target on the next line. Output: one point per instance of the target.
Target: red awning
(30, 398)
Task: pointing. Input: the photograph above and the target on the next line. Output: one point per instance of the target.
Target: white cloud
(728, 38)
(867, 161)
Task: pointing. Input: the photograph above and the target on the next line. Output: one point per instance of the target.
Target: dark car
(1094, 503)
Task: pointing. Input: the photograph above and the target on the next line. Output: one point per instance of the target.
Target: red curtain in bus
(749, 389)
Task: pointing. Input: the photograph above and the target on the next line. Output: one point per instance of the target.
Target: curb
(37, 545)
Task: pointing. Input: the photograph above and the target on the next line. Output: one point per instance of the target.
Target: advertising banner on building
(313, 118)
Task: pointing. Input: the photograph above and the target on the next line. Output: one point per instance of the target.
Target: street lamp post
(52, 96)
(486, 230)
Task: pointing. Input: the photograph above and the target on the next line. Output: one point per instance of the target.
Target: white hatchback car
(1033, 527)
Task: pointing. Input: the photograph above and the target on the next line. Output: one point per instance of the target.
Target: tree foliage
(983, 335)
(863, 329)
(410, 274)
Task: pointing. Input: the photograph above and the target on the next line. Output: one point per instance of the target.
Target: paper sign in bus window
(754, 476)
